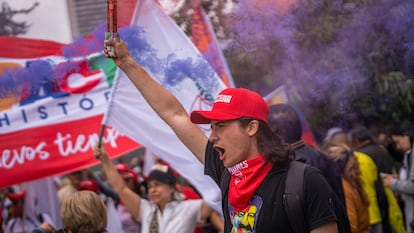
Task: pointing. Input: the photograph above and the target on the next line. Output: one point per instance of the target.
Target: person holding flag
(241, 155)
(165, 211)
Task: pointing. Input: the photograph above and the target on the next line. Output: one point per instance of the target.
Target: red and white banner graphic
(51, 108)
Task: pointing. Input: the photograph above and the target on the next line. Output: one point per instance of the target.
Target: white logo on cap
(160, 167)
(223, 98)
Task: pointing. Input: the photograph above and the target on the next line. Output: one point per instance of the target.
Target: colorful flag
(161, 47)
(51, 107)
(279, 96)
(205, 40)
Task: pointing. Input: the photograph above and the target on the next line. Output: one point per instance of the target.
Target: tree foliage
(342, 62)
(9, 27)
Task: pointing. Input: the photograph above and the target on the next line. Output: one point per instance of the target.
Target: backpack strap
(293, 197)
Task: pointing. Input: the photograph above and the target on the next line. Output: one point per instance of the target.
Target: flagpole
(112, 31)
(101, 134)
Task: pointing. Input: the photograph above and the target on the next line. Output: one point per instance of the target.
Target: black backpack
(293, 198)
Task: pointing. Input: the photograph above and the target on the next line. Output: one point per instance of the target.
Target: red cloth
(17, 196)
(189, 193)
(246, 177)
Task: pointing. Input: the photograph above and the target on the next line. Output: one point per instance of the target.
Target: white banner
(161, 47)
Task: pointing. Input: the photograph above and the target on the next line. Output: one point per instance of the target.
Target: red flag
(50, 110)
(205, 40)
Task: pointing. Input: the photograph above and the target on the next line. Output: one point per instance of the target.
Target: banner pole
(101, 134)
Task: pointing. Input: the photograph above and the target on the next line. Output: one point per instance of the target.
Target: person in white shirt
(165, 211)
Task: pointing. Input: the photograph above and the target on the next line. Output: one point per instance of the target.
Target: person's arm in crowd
(397, 185)
(217, 220)
(44, 228)
(209, 213)
(405, 186)
(104, 188)
(160, 99)
(330, 227)
(131, 199)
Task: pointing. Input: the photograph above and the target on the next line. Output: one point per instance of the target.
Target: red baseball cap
(89, 184)
(231, 104)
(17, 196)
(126, 171)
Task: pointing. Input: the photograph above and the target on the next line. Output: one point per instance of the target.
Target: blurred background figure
(284, 120)
(362, 140)
(19, 220)
(336, 135)
(70, 184)
(385, 140)
(165, 210)
(137, 164)
(356, 199)
(89, 184)
(130, 177)
(81, 212)
(368, 169)
(403, 184)
(119, 220)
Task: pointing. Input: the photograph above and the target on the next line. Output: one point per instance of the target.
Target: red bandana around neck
(245, 178)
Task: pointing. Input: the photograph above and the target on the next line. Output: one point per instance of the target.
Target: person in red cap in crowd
(137, 164)
(241, 150)
(130, 177)
(165, 211)
(18, 221)
(70, 184)
(89, 184)
(126, 222)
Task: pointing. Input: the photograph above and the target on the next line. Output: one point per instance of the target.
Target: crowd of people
(356, 181)
(131, 202)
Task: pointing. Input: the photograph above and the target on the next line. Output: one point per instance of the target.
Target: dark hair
(269, 143)
(285, 118)
(361, 133)
(406, 128)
